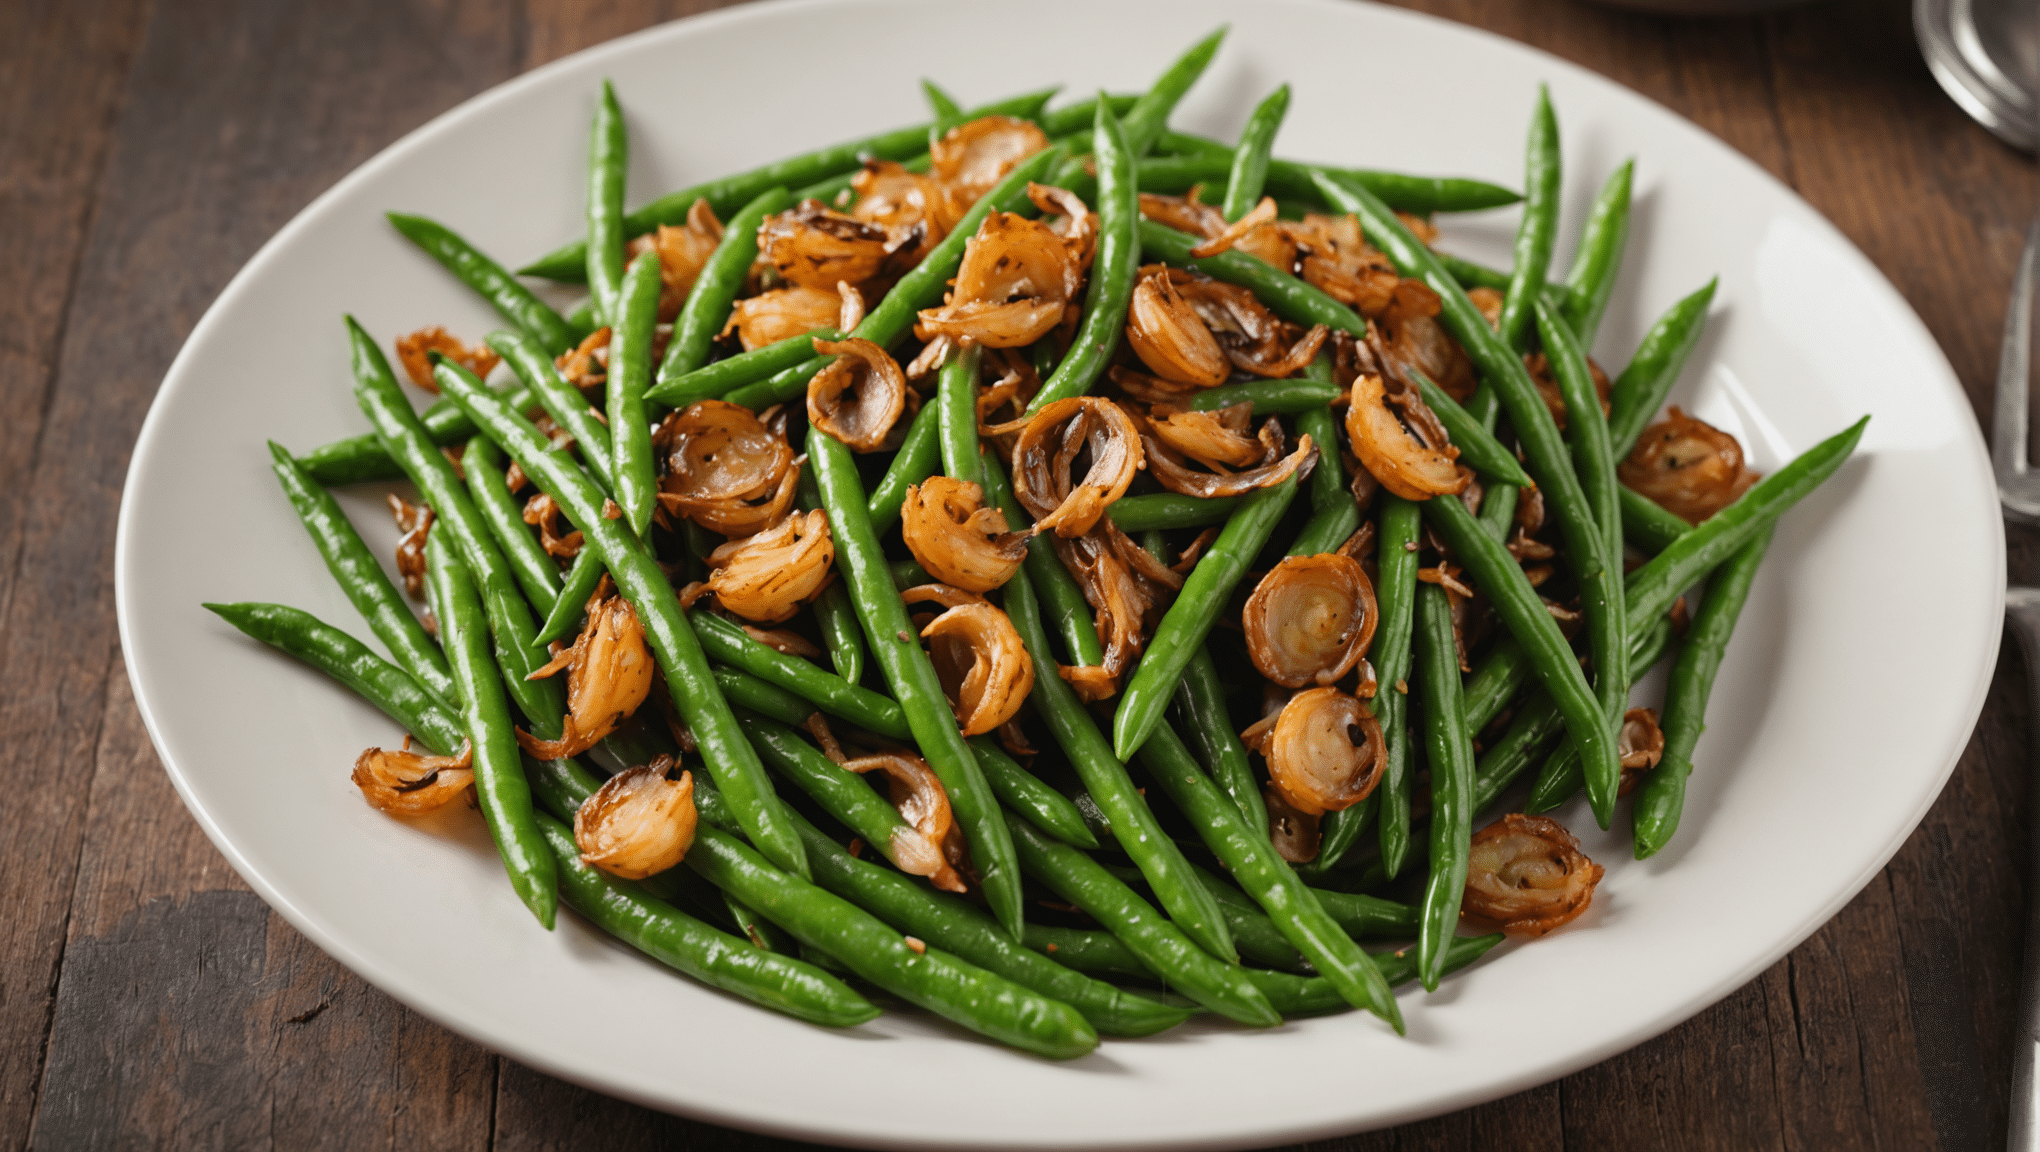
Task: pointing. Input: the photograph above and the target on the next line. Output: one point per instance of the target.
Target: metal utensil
(2019, 493)
(1985, 52)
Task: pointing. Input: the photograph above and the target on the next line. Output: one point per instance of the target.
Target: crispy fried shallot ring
(415, 350)
(918, 794)
(1336, 259)
(859, 396)
(1017, 280)
(1119, 598)
(908, 205)
(956, 538)
(1164, 330)
(1310, 619)
(639, 823)
(1172, 473)
(683, 252)
(971, 158)
(1068, 217)
(1407, 335)
(1526, 875)
(1048, 451)
(1325, 752)
(414, 521)
(609, 673)
(406, 783)
(984, 668)
(1400, 442)
(1640, 743)
(1090, 681)
(1233, 233)
(586, 364)
(556, 535)
(1689, 467)
(1214, 439)
(782, 314)
(814, 247)
(1294, 834)
(768, 576)
(715, 453)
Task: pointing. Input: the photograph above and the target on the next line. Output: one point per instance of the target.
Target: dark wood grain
(147, 998)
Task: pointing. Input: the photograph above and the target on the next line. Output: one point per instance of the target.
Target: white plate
(1851, 687)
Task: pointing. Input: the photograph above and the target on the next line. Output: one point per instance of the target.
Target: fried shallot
(768, 576)
(1310, 619)
(1047, 453)
(1294, 834)
(415, 351)
(1526, 875)
(1019, 277)
(406, 783)
(985, 670)
(724, 468)
(414, 521)
(812, 246)
(859, 396)
(1214, 439)
(956, 538)
(971, 158)
(558, 537)
(782, 314)
(1166, 333)
(907, 204)
(1407, 335)
(935, 845)
(609, 673)
(1640, 743)
(1325, 752)
(1171, 472)
(1689, 467)
(683, 252)
(639, 823)
(1400, 441)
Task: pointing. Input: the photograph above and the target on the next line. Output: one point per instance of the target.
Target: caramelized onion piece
(1640, 743)
(956, 538)
(415, 352)
(1048, 451)
(908, 205)
(1233, 233)
(985, 670)
(922, 803)
(1417, 461)
(715, 451)
(639, 823)
(1172, 473)
(1068, 217)
(970, 159)
(1689, 467)
(1408, 336)
(609, 673)
(414, 521)
(768, 576)
(1325, 752)
(813, 247)
(782, 314)
(1121, 600)
(1310, 619)
(1091, 682)
(558, 537)
(1253, 339)
(1336, 259)
(586, 365)
(405, 783)
(1295, 834)
(683, 252)
(1214, 439)
(1166, 333)
(1017, 279)
(1526, 875)
(859, 396)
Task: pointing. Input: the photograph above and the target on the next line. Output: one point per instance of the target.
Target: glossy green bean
(1250, 156)
(1561, 777)
(948, 113)
(561, 401)
(1269, 397)
(1132, 821)
(1638, 393)
(1538, 231)
(838, 697)
(1112, 267)
(1197, 607)
(1201, 709)
(715, 289)
(1081, 115)
(1061, 600)
(1252, 861)
(835, 616)
(1498, 510)
(1024, 793)
(841, 793)
(1478, 448)
(500, 789)
(1420, 195)
(1159, 942)
(861, 564)
(1335, 514)
(1170, 510)
(1663, 794)
(766, 699)
(482, 463)
(919, 457)
(645, 586)
(1259, 941)
(511, 299)
(1450, 755)
(719, 379)
(1395, 595)
(630, 370)
(1148, 119)
(608, 157)
(1315, 996)
(956, 400)
(1646, 523)
(1288, 297)
(1088, 950)
(1602, 240)
(569, 607)
(361, 576)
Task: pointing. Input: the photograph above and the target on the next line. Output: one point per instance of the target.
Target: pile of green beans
(777, 899)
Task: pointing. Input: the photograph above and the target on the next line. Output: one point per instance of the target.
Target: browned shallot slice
(1337, 260)
(908, 205)
(1171, 472)
(683, 252)
(1325, 752)
(414, 521)
(1018, 279)
(715, 452)
(1640, 743)
(1310, 619)
(937, 842)
(859, 396)
(1399, 441)
(609, 673)
(782, 314)
(406, 783)
(768, 576)
(971, 158)
(1164, 330)
(639, 823)
(977, 653)
(1526, 875)
(1048, 450)
(1407, 335)
(1689, 467)
(415, 352)
(1214, 439)
(1295, 834)
(814, 247)
(956, 538)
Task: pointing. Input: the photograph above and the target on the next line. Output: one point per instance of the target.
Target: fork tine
(2008, 425)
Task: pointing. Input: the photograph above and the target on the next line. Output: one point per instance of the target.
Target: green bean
(535, 571)
(1061, 600)
(1200, 706)
(1419, 195)
(1088, 950)
(766, 699)
(362, 578)
(1160, 943)
(1646, 523)
(1269, 397)
(1170, 510)
(1368, 916)
(919, 457)
(907, 574)
(387, 408)
(1198, 605)
(715, 289)
(985, 1003)
(630, 369)
(726, 194)
(581, 321)
(1663, 794)
(861, 563)
(679, 941)
(511, 299)
(956, 420)
(1288, 297)
(561, 401)
(1252, 861)
(1498, 510)
(1132, 821)
(955, 925)
(1561, 777)
(648, 591)
(1592, 280)
(948, 113)
(1250, 157)
(608, 156)
(838, 697)
(1640, 390)
(1259, 941)
(1451, 758)
(1073, 118)
(1148, 119)
(1549, 463)
(1539, 228)
(1395, 593)
(1468, 274)
(745, 368)
(1112, 268)
(390, 688)
(1335, 514)
(839, 792)
(1315, 996)
(579, 584)
(500, 789)
(1025, 794)
(835, 616)
(1478, 448)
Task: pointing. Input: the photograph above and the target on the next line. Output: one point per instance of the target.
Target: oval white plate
(1808, 780)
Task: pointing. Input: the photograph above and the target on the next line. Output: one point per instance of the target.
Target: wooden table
(147, 997)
